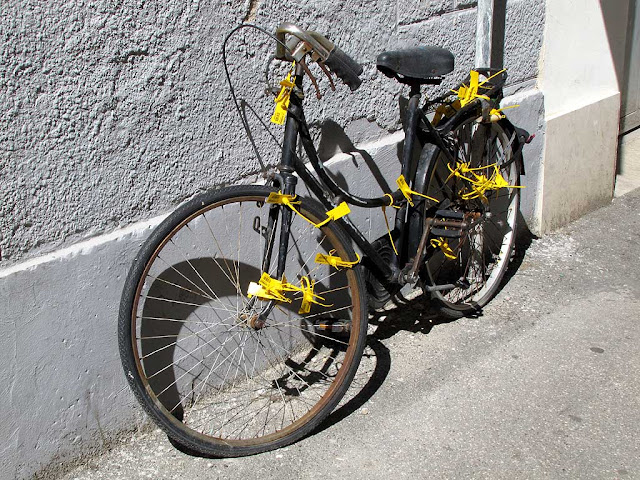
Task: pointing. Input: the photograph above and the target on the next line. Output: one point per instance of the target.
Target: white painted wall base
(578, 80)
(579, 162)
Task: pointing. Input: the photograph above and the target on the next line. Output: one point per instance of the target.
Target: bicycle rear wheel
(228, 375)
(475, 263)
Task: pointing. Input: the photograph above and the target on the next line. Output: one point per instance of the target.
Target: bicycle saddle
(418, 65)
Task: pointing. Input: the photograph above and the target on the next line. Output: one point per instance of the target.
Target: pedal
(450, 214)
(446, 233)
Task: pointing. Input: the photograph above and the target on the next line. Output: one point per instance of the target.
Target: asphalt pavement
(544, 384)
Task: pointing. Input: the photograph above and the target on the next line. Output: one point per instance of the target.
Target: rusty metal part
(335, 326)
(252, 320)
(312, 78)
(434, 222)
(430, 222)
(328, 74)
(412, 276)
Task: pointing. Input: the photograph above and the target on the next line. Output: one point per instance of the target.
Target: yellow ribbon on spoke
(408, 193)
(480, 183)
(335, 261)
(308, 296)
(290, 200)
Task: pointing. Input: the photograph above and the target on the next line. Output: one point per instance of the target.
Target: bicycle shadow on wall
(195, 343)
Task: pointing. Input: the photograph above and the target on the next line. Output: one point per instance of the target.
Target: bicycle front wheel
(225, 373)
(481, 187)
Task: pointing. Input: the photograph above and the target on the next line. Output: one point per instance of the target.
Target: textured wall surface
(114, 112)
(111, 112)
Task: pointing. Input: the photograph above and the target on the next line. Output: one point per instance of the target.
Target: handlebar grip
(345, 67)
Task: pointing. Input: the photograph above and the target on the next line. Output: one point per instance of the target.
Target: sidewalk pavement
(543, 385)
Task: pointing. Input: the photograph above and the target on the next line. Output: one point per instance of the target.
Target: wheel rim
(205, 367)
(483, 252)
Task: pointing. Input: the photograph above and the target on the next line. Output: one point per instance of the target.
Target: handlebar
(321, 50)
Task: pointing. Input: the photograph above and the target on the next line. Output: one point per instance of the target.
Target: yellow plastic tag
(407, 192)
(480, 183)
(386, 221)
(335, 213)
(444, 246)
(468, 93)
(290, 200)
(271, 289)
(281, 198)
(282, 101)
(308, 297)
(335, 261)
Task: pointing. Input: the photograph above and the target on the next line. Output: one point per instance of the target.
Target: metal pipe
(484, 33)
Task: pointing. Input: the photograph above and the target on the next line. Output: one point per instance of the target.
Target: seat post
(410, 132)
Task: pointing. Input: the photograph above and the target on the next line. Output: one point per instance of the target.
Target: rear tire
(483, 252)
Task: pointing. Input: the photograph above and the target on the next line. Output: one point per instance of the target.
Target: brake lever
(313, 79)
(327, 72)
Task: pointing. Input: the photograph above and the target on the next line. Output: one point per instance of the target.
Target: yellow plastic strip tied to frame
(407, 192)
(468, 93)
(495, 115)
(335, 261)
(269, 288)
(282, 100)
(290, 200)
(442, 244)
(480, 183)
(386, 221)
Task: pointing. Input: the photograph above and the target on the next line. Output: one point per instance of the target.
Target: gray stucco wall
(112, 113)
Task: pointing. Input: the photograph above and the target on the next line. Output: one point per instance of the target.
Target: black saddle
(416, 66)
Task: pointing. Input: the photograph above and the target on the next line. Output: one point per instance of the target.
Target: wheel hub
(252, 320)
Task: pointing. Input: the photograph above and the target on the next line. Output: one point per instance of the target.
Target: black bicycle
(244, 316)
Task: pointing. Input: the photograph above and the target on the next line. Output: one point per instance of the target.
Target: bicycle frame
(409, 220)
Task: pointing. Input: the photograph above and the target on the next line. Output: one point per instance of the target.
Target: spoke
(194, 268)
(181, 287)
(166, 319)
(182, 358)
(224, 258)
(174, 343)
(328, 277)
(333, 290)
(312, 254)
(160, 299)
(295, 373)
(213, 257)
(188, 279)
(237, 266)
(201, 362)
(276, 382)
(307, 331)
(206, 380)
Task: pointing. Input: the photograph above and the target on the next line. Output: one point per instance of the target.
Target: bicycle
(244, 315)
